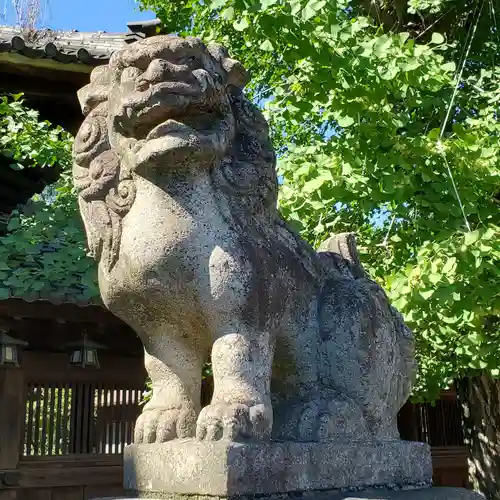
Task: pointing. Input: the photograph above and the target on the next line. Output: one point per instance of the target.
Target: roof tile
(66, 47)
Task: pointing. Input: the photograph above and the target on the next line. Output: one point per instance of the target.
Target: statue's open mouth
(165, 108)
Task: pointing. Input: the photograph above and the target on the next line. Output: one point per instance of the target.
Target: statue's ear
(235, 73)
(97, 91)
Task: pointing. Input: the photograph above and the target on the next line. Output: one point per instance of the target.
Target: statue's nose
(161, 70)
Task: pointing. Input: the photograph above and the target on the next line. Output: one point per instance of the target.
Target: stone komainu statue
(177, 190)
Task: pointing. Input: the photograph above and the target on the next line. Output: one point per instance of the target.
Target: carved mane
(105, 196)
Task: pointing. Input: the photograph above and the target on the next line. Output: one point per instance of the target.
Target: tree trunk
(480, 401)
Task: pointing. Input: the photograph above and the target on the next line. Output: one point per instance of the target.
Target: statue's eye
(187, 60)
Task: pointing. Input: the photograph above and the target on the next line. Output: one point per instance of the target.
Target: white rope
(494, 16)
(450, 175)
(448, 113)
(386, 239)
(435, 22)
(459, 76)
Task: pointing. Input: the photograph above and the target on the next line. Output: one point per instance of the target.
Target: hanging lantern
(9, 349)
(84, 353)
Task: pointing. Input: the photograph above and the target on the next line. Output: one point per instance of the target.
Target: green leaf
(426, 294)
(241, 25)
(347, 169)
(228, 13)
(389, 73)
(14, 224)
(314, 184)
(437, 38)
(403, 37)
(265, 4)
(489, 234)
(471, 237)
(435, 277)
(296, 6)
(345, 121)
(312, 8)
(475, 338)
(382, 44)
(450, 66)
(449, 265)
(266, 45)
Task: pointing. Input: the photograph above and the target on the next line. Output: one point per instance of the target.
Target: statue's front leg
(241, 404)
(171, 413)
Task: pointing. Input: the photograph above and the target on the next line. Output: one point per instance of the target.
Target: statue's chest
(170, 235)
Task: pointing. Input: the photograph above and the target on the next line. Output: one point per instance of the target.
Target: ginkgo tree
(385, 117)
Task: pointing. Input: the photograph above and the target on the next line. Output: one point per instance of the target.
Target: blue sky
(86, 15)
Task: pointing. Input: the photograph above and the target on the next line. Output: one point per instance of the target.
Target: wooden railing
(64, 418)
(76, 471)
(439, 425)
(63, 429)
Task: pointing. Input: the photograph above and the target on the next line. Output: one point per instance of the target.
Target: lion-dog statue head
(174, 103)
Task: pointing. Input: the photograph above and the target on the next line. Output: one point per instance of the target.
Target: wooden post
(12, 410)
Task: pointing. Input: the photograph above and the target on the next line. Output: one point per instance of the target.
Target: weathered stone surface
(223, 469)
(378, 494)
(421, 494)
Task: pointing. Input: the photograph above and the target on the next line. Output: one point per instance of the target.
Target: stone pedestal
(227, 469)
(378, 494)
(420, 494)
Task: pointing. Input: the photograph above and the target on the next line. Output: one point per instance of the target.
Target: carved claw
(320, 420)
(224, 421)
(161, 425)
(326, 420)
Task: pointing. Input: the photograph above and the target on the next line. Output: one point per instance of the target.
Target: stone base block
(227, 469)
(379, 494)
(421, 494)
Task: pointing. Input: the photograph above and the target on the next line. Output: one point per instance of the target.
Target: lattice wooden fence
(79, 418)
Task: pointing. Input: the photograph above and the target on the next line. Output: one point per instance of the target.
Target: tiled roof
(142, 29)
(92, 49)
(65, 47)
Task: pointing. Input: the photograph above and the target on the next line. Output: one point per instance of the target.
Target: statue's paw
(234, 421)
(320, 419)
(159, 425)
